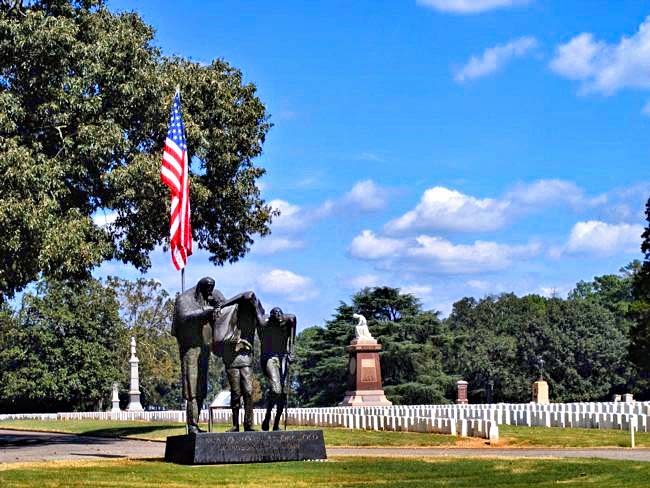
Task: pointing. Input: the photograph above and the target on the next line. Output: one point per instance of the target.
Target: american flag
(174, 173)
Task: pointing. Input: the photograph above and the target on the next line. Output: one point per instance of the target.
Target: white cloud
(603, 239)
(364, 281)
(366, 195)
(552, 291)
(442, 256)
(267, 246)
(293, 287)
(445, 209)
(418, 291)
(478, 284)
(368, 245)
(470, 6)
(495, 58)
(430, 254)
(290, 217)
(606, 68)
(549, 192)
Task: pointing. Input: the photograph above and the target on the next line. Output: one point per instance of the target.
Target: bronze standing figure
(192, 326)
(277, 338)
(233, 338)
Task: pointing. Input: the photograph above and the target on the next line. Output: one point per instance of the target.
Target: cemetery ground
(510, 436)
(341, 470)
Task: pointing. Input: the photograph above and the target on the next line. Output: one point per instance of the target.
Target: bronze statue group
(204, 322)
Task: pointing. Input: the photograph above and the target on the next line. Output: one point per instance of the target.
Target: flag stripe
(170, 179)
(172, 163)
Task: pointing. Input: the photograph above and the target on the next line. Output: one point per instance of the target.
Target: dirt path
(27, 446)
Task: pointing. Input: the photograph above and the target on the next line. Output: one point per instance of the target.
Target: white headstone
(115, 399)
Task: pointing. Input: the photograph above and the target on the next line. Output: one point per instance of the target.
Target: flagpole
(178, 91)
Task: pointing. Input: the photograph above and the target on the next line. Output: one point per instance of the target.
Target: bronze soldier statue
(192, 326)
(233, 339)
(204, 319)
(277, 338)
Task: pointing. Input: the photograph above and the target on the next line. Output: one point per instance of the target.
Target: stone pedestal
(540, 392)
(461, 389)
(115, 399)
(134, 389)
(245, 447)
(364, 376)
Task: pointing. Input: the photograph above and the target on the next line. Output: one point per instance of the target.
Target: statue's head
(204, 287)
(276, 314)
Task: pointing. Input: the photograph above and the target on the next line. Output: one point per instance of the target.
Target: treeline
(499, 344)
(67, 343)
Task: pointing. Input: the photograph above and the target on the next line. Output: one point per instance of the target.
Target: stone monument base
(245, 447)
(365, 398)
(364, 376)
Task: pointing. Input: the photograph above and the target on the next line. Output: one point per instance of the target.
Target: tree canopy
(85, 97)
(60, 351)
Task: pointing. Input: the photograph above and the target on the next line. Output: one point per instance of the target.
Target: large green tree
(84, 104)
(61, 350)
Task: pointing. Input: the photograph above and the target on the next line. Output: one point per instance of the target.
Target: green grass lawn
(349, 472)
(160, 431)
(557, 437)
(510, 436)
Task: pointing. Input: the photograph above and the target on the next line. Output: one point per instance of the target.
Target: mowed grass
(160, 430)
(510, 436)
(348, 472)
(557, 437)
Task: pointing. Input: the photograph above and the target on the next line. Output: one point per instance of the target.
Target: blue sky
(448, 147)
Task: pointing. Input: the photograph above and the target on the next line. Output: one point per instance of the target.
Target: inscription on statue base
(245, 447)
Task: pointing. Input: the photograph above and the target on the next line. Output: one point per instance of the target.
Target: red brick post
(462, 392)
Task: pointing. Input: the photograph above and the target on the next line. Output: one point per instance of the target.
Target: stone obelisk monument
(364, 370)
(134, 390)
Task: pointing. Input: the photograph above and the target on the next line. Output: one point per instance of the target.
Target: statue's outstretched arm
(249, 298)
(189, 310)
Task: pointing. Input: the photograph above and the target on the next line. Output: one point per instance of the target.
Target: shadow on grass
(21, 440)
(129, 431)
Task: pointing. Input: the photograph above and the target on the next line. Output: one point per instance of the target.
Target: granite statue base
(245, 447)
(364, 376)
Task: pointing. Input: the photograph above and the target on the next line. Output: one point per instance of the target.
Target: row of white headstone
(472, 420)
